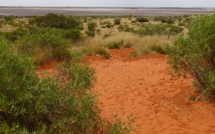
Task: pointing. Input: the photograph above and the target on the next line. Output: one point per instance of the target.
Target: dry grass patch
(7, 28)
(151, 44)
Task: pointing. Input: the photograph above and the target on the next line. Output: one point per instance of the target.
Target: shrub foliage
(61, 104)
(43, 45)
(56, 21)
(91, 29)
(194, 54)
(142, 19)
(117, 21)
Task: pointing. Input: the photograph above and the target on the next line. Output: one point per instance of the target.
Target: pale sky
(110, 3)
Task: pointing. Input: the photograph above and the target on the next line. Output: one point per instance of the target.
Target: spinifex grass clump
(61, 104)
(151, 44)
(114, 45)
(194, 54)
(96, 50)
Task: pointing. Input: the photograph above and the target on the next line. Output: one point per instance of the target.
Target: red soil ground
(143, 87)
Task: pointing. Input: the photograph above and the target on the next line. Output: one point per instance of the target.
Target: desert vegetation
(57, 103)
(193, 54)
(77, 33)
(63, 102)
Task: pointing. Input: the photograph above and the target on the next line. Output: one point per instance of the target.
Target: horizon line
(97, 7)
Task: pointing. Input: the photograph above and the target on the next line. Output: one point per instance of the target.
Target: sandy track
(143, 87)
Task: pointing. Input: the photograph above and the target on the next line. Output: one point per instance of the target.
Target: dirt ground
(143, 87)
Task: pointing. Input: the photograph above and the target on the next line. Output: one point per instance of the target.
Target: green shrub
(62, 104)
(31, 104)
(107, 24)
(151, 29)
(73, 34)
(142, 19)
(158, 29)
(15, 35)
(120, 28)
(134, 21)
(44, 45)
(194, 54)
(8, 18)
(175, 29)
(128, 29)
(56, 21)
(91, 29)
(165, 19)
(117, 21)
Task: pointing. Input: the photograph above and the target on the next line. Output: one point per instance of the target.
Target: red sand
(143, 87)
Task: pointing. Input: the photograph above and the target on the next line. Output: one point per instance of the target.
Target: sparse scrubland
(58, 103)
(63, 102)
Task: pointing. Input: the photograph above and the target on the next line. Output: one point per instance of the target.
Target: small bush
(8, 18)
(15, 35)
(120, 28)
(117, 21)
(128, 29)
(62, 104)
(152, 29)
(107, 24)
(158, 29)
(175, 29)
(73, 34)
(56, 21)
(165, 19)
(194, 54)
(134, 21)
(29, 104)
(91, 29)
(44, 45)
(142, 19)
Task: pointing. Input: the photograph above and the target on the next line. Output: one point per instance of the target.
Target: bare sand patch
(143, 87)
